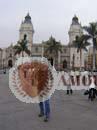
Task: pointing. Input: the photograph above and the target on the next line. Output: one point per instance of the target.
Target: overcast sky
(49, 17)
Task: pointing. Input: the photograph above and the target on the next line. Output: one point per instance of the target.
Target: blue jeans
(45, 108)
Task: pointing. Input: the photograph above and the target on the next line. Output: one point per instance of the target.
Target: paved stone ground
(67, 112)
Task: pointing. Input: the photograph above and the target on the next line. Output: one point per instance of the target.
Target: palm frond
(81, 42)
(27, 51)
(91, 29)
(18, 51)
(21, 47)
(52, 46)
(88, 30)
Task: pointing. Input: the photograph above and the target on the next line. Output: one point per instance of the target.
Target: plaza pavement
(73, 112)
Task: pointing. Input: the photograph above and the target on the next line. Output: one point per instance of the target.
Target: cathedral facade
(65, 57)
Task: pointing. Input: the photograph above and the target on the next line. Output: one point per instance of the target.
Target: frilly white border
(14, 81)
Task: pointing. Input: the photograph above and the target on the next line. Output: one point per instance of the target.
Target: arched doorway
(10, 63)
(25, 36)
(64, 64)
(51, 60)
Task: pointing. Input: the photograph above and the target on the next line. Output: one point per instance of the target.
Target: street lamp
(73, 62)
(4, 70)
(42, 50)
(3, 64)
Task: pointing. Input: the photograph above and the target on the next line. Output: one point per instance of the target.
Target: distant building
(90, 58)
(64, 59)
(8, 57)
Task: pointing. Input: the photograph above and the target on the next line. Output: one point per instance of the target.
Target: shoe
(40, 115)
(46, 120)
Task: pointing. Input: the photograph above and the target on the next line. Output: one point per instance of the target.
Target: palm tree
(21, 47)
(52, 48)
(81, 42)
(92, 33)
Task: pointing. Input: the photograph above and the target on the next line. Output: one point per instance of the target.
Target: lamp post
(4, 69)
(59, 59)
(69, 57)
(3, 64)
(73, 62)
(42, 54)
(42, 51)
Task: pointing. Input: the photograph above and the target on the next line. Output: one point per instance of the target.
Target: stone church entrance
(10, 63)
(51, 61)
(64, 64)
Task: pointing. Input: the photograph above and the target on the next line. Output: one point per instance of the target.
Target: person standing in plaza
(77, 74)
(85, 78)
(45, 110)
(65, 77)
(72, 77)
(92, 90)
(68, 83)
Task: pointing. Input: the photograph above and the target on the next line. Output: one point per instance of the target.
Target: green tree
(92, 33)
(52, 48)
(21, 47)
(81, 42)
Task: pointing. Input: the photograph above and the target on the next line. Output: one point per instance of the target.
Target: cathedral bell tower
(26, 29)
(75, 29)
